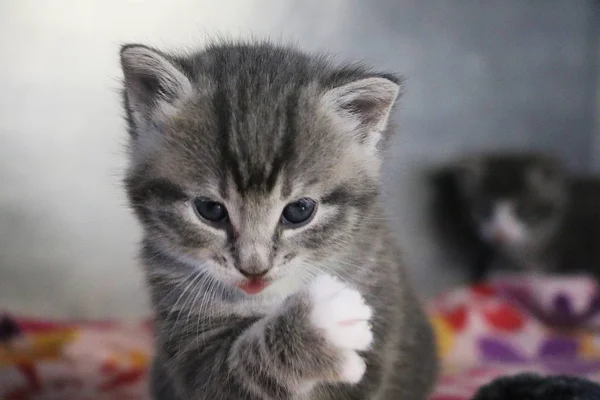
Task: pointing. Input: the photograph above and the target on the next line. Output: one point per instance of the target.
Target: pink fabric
(82, 361)
(547, 325)
(541, 324)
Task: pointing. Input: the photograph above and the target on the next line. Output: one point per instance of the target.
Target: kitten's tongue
(254, 286)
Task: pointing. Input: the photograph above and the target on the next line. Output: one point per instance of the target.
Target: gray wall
(503, 73)
(595, 38)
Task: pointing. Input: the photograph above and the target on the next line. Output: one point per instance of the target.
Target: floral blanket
(547, 325)
(541, 324)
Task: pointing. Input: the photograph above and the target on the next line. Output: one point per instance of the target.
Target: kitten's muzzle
(255, 280)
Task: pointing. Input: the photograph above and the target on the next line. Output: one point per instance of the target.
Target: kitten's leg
(160, 386)
(314, 337)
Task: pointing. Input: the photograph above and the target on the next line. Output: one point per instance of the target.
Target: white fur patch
(287, 285)
(504, 227)
(341, 313)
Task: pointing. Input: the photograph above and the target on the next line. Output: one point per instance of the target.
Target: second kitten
(518, 210)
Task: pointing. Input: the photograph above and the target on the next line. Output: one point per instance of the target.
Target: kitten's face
(515, 202)
(252, 176)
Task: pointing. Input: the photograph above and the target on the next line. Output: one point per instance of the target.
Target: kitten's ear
(363, 106)
(152, 82)
(546, 175)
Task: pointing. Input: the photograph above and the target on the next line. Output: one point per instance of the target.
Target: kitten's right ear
(547, 174)
(363, 106)
(152, 82)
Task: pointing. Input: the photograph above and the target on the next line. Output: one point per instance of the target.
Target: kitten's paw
(340, 312)
(352, 368)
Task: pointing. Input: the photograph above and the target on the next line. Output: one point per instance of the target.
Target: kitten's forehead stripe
(257, 164)
(287, 148)
(228, 161)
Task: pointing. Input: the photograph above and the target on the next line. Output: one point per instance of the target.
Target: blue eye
(299, 212)
(210, 210)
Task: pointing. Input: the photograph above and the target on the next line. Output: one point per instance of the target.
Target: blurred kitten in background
(518, 211)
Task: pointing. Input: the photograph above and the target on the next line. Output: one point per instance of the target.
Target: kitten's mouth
(254, 286)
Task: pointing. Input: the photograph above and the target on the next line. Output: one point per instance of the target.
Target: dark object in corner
(9, 329)
(535, 387)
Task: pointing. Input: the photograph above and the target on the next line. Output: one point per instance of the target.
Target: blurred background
(501, 74)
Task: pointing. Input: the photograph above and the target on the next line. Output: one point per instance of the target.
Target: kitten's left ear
(548, 174)
(363, 107)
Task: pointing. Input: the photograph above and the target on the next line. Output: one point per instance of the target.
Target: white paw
(341, 313)
(353, 367)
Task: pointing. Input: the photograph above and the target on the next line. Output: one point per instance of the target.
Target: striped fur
(257, 126)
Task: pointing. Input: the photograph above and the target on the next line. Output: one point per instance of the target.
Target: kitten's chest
(522, 257)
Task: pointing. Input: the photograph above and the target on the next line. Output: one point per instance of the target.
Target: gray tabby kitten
(520, 210)
(255, 173)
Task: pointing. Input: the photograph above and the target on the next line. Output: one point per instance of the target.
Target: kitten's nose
(253, 274)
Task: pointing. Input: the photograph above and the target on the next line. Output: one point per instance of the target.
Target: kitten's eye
(299, 212)
(210, 210)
